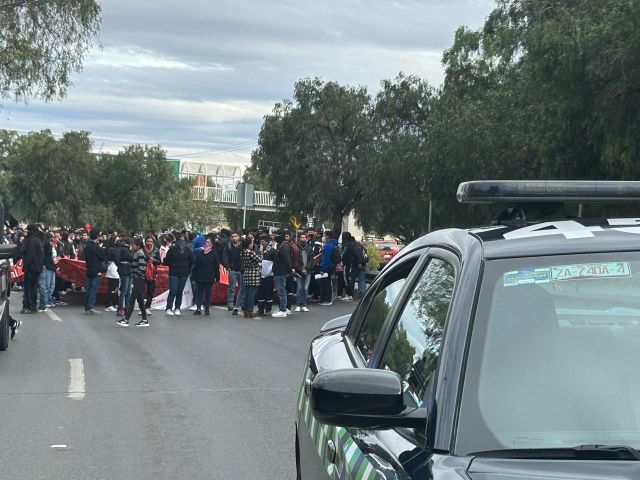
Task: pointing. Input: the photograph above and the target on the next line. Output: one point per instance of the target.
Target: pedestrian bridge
(228, 198)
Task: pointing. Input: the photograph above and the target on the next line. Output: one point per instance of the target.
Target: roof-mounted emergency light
(520, 192)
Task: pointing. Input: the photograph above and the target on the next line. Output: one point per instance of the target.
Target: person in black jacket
(179, 261)
(48, 275)
(125, 259)
(96, 260)
(282, 268)
(206, 272)
(231, 261)
(33, 262)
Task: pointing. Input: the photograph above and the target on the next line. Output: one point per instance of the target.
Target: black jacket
(179, 262)
(282, 263)
(33, 254)
(231, 257)
(49, 264)
(125, 261)
(206, 268)
(94, 255)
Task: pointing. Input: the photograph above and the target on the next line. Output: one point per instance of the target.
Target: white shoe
(349, 297)
(279, 314)
(326, 304)
(305, 309)
(111, 309)
(288, 311)
(177, 313)
(193, 307)
(169, 313)
(298, 309)
(345, 298)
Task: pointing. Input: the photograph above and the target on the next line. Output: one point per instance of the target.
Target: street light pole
(244, 214)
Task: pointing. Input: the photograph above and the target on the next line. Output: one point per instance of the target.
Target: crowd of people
(263, 268)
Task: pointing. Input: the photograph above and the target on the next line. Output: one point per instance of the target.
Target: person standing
(251, 263)
(138, 268)
(331, 256)
(152, 256)
(206, 272)
(282, 268)
(356, 258)
(178, 260)
(96, 263)
(304, 273)
(231, 261)
(125, 260)
(113, 278)
(48, 275)
(32, 265)
(265, 291)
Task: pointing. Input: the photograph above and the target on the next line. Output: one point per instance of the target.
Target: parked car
(505, 351)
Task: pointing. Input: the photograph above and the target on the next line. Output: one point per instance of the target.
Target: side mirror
(8, 252)
(363, 398)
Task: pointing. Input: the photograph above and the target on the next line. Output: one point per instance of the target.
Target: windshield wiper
(579, 452)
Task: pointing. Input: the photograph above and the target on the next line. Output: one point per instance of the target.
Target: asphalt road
(187, 398)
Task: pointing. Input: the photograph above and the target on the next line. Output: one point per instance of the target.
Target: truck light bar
(520, 192)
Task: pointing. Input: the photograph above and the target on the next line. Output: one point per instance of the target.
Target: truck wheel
(4, 328)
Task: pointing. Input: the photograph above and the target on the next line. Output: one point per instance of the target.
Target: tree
(53, 180)
(134, 183)
(312, 152)
(180, 209)
(42, 42)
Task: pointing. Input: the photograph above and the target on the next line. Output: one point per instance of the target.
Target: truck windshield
(555, 354)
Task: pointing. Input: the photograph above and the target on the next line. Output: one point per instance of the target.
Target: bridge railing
(227, 196)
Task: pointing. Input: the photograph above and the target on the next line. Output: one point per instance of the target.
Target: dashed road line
(76, 379)
(53, 315)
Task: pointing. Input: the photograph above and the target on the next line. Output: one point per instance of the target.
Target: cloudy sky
(197, 76)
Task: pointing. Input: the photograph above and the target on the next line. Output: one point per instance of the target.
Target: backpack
(336, 255)
(361, 257)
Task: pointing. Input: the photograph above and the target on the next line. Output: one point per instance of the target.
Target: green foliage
(311, 152)
(180, 209)
(42, 43)
(375, 257)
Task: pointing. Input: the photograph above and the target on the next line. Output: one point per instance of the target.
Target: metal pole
(579, 210)
(430, 211)
(244, 215)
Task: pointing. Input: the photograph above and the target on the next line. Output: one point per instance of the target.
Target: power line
(227, 149)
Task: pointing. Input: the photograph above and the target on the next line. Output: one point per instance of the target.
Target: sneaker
(169, 313)
(298, 309)
(177, 312)
(350, 298)
(122, 322)
(206, 312)
(279, 314)
(26, 311)
(142, 323)
(51, 305)
(91, 312)
(60, 303)
(197, 312)
(42, 308)
(305, 309)
(326, 304)
(344, 298)
(288, 311)
(234, 312)
(193, 307)
(111, 309)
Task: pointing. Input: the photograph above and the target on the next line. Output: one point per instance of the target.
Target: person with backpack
(282, 268)
(96, 263)
(304, 272)
(356, 257)
(113, 278)
(331, 256)
(33, 263)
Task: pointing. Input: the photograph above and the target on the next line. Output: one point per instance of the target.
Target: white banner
(160, 302)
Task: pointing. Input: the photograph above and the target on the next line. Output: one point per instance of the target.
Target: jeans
(30, 297)
(281, 285)
(234, 278)
(112, 298)
(138, 295)
(303, 289)
(47, 284)
(203, 295)
(176, 287)
(150, 289)
(92, 290)
(359, 274)
(125, 291)
(247, 301)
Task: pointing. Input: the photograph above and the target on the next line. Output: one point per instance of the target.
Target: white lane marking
(58, 446)
(76, 379)
(54, 316)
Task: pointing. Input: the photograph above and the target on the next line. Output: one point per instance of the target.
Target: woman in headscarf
(206, 272)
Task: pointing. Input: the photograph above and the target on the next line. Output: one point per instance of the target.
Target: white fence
(229, 198)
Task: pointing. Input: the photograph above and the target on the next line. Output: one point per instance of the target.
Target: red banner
(74, 271)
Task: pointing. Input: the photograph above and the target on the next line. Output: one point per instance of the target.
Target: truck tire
(5, 331)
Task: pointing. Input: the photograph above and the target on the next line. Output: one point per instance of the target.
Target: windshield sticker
(559, 273)
(528, 276)
(590, 270)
